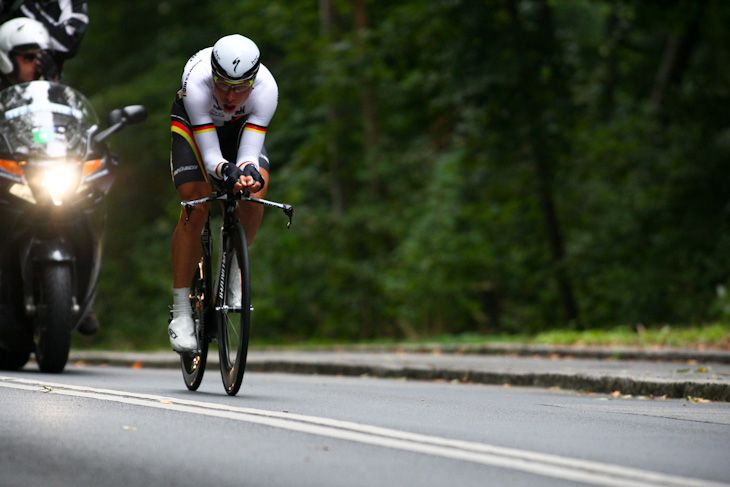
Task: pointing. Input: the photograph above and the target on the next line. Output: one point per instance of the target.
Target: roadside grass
(714, 336)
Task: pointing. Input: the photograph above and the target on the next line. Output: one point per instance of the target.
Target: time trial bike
(221, 303)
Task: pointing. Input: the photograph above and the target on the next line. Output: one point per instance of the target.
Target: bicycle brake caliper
(189, 211)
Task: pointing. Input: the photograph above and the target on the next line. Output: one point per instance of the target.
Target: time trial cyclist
(219, 120)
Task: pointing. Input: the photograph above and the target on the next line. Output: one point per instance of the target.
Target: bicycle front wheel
(233, 307)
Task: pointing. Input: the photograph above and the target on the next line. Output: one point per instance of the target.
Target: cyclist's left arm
(263, 102)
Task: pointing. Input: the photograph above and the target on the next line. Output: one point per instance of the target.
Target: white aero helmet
(235, 58)
(20, 33)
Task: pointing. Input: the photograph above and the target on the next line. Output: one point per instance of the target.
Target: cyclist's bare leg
(250, 214)
(186, 249)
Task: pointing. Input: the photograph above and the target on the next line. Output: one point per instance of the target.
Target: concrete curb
(521, 350)
(662, 376)
(580, 382)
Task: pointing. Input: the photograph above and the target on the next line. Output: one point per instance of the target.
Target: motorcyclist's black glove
(231, 174)
(250, 170)
(49, 69)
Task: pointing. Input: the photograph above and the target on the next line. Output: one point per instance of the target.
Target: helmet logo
(236, 62)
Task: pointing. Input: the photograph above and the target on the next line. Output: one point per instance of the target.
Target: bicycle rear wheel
(233, 313)
(193, 364)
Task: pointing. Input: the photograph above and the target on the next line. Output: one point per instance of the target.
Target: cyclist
(218, 123)
(23, 42)
(65, 20)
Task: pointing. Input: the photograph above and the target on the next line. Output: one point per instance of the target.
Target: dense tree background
(456, 165)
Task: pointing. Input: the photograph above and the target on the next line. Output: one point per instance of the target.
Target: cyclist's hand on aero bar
(235, 179)
(252, 178)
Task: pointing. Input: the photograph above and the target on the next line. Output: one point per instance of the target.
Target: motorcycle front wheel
(54, 318)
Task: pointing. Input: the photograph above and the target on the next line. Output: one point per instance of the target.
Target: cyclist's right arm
(198, 101)
(197, 104)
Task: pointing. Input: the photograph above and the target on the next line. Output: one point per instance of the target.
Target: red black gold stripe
(255, 128)
(185, 132)
(199, 129)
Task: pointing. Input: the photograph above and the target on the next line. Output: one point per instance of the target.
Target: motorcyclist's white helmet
(20, 33)
(235, 58)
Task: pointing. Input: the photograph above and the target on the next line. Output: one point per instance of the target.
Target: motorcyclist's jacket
(205, 113)
(65, 20)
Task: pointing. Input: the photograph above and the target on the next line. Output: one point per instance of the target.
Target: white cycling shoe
(182, 334)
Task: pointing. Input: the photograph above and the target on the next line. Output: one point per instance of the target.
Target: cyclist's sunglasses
(236, 87)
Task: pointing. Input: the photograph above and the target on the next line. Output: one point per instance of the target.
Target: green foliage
(456, 166)
(713, 335)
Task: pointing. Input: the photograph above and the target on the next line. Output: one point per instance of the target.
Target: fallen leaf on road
(616, 394)
(137, 365)
(696, 400)
(129, 428)
(703, 370)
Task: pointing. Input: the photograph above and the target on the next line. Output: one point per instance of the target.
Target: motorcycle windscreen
(45, 120)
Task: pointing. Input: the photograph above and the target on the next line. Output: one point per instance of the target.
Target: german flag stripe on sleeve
(185, 132)
(199, 129)
(255, 128)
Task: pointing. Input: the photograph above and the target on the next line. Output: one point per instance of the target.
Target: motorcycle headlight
(60, 182)
(51, 181)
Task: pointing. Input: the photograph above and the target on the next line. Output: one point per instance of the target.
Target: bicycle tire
(193, 364)
(234, 321)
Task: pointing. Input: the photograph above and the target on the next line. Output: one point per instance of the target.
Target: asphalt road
(126, 426)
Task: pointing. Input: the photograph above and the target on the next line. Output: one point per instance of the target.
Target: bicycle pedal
(190, 354)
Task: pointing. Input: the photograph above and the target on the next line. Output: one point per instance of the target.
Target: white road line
(555, 466)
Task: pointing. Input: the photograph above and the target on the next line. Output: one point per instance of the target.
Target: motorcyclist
(24, 43)
(65, 21)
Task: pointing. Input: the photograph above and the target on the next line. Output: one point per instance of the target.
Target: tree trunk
(337, 187)
(543, 145)
(614, 35)
(368, 98)
(677, 53)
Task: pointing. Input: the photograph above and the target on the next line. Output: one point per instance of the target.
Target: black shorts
(186, 164)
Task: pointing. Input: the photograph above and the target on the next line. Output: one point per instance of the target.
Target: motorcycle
(55, 173)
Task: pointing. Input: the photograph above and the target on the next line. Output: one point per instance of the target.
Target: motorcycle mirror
(118, 118)
(135, 114)
(114, 117)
